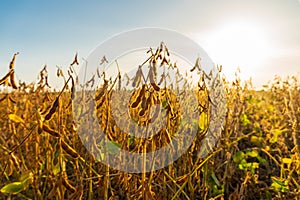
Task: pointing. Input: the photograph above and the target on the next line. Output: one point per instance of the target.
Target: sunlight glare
(239, 44)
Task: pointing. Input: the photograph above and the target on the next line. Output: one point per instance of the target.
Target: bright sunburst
(239, 44)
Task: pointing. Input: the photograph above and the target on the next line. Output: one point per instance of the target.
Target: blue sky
(260, 37)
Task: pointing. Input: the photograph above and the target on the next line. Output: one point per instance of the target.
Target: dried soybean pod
(75, 60)
(145, 102)
(152, 75)
(72, 88)
(142, 92)
(103, 60)
(158, 51)
(12, 81)
(152, 80)
(161, 79)
(136, 81)
(15, 160)
(167, 107)
(142, 112)
(40, 126)
(144, 106)
(128, 79)
(167, 50)
(52, 110)
(45, 111)
(197, 65)
(155, 115)
(12, 75)
(66, 183)
(137, 78)
(69, 149)
(12, 63)
(3, 98)
(135, 103)
(50, 131)
(220, 68)
(119, 76)
(71, 70)
(98, 73)
(46, 82)
(99, 105)
(154, 69)
(203, 97)
(119, 82)
(155, 87)
(59, 71)
(103, 89)
(138, 99)
(11, 99)
(5, 78)
(193, 68)
(92, 81)
(164, 61)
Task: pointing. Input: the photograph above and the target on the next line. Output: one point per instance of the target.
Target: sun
(241, 45)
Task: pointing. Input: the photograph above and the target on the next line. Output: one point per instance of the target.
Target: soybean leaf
(13, 188)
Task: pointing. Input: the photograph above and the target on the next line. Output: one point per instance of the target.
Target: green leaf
(279, 185)
(245, 120)
(253, 153)
(261, 160)
(269, 196)
(213, 176)
(99, 157)
(253, 166)
(248, 166)
(273, 139)
(250, 99)
(254, 139)
(238, 156)
(13, 188)
(113, 147)
(56, 169)
(279, 182)
(243, 165)
(130, 140)
(216, 191)
(276, 133)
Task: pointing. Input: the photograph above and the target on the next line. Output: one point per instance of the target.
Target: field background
(256, 157)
